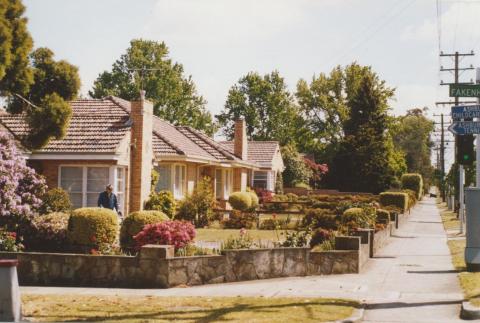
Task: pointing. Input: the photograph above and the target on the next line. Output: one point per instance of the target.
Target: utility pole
(456, 72)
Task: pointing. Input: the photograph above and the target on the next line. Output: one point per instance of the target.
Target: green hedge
(383, 215)
(92, 227)
(413, 182)
(55, 200)
(135, 222)
(320, 218)
(241, 201)
(397, 199)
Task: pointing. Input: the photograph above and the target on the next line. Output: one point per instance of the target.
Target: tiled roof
(96, 126)
(99, 125)
(260, 152)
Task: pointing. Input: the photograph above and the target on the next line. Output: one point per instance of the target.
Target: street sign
(465, 127)
(466, 112)
(464, 90)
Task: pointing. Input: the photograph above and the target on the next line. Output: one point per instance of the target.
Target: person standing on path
(108, 199)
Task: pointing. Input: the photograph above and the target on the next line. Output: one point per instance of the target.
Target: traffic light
(465, 153)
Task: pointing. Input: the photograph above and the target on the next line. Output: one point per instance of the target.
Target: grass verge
(58, 308)
(469, 281)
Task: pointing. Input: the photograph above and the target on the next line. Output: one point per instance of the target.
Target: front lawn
(224, 234)
(57, 308)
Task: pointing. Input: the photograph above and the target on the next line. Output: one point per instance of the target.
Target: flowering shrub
(8, 241)
(264, 195)
(20, 186)
(176, 233)
(47, 232)
(318, 172)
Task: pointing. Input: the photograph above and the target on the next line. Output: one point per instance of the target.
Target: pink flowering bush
(20, 186)
(176, 233)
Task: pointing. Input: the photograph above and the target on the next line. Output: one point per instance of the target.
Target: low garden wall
(156, 267)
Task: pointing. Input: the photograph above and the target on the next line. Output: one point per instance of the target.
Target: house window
(85, 183)
(71, 180)
(172, 178)
(223, 183)
(260, 180)
(120, 188)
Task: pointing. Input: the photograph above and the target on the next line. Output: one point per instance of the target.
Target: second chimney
(240, 142)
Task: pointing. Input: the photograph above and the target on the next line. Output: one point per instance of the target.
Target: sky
(218, 41)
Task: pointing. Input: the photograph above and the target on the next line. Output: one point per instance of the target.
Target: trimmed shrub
(55, 200)
(176, 233)
(413, 182)
(383, 216)
(47, 232)
(239, 220)
(254, 198)
(319, 236)
(135, 222)
(92, 227)
(241, 201)
(198, 207)
(397, 199)
(320, 218)
(359, 217)
(412, 198)
(162, 201)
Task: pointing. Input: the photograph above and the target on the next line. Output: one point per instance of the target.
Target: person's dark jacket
(106, 201)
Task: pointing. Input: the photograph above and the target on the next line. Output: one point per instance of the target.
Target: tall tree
(411, 134)
(366, 160)
(323, 104)
(146, 66)
(33, 83)
(267, 107)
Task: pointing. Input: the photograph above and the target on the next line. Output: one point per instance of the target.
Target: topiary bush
(240, 201)
(162, 201)
(92, 227)
(176, 233)
(47, 233)
(56, 200)
(254, 198)
(396, 199)
(320, 218)
(134, 223)
(413, 182)
(412, 198)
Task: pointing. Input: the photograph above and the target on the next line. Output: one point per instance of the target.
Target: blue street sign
(465, 127)
(465, 112)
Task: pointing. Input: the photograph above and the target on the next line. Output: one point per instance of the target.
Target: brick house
(119, 142)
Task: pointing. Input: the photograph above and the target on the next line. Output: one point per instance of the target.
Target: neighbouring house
(267, 155)
(120, 142)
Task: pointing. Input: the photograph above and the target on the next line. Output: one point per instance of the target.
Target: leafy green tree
(323, 105)
(146, 66)
(365, 160)
(296, 171)
(267, 107)
(15, 46)
(33, 83)
(411, 134)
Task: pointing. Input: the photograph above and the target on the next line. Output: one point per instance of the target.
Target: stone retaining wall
(156, 267)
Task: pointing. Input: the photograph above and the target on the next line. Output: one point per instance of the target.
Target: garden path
(410, 280)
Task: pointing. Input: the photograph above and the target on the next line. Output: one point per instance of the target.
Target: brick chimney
(240, 142)
(141, 156)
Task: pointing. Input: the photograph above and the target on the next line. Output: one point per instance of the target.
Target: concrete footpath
(410, 280)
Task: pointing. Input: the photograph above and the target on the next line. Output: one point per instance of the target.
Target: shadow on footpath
(451, 271)
(379, 306)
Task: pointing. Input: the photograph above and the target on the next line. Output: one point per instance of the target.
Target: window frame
(226, 183)
(112, 179)
(182, 179)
